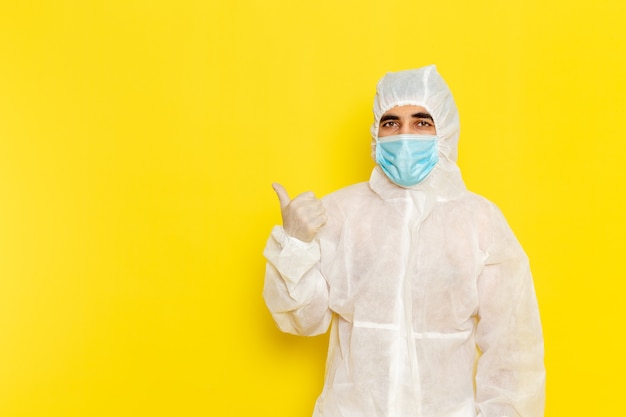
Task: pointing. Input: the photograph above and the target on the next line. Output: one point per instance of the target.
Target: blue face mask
(407, 159)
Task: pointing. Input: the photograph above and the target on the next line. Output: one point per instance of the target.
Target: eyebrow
(420, 115)
(388, 117)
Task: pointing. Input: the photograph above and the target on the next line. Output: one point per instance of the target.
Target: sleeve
(510, 373)
(295, 291)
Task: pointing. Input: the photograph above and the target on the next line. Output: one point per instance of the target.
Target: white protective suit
(429, 293)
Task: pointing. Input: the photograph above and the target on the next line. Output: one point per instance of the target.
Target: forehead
(406, 111)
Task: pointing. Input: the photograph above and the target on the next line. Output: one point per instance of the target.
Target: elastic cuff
(285, 240)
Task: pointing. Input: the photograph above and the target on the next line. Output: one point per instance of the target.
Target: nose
(405, 128)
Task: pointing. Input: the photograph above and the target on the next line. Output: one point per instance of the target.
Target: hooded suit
(426, 290)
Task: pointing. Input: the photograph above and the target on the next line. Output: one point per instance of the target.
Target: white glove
(303, 216)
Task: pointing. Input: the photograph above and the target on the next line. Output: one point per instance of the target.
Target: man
(429, 293)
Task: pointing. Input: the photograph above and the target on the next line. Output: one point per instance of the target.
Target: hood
(425, 87)
(421, 87)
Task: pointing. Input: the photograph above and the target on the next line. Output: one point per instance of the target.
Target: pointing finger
(283, 195)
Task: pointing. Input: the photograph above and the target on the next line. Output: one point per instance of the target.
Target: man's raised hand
(303, 216)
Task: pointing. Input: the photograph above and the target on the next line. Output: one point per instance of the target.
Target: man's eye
(423, 123)
(390, 124)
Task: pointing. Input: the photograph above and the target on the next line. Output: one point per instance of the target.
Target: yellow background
(139, 139)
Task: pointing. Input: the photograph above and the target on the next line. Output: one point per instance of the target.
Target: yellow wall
(139, 139)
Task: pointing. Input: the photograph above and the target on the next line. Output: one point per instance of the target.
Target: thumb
(283, 196)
